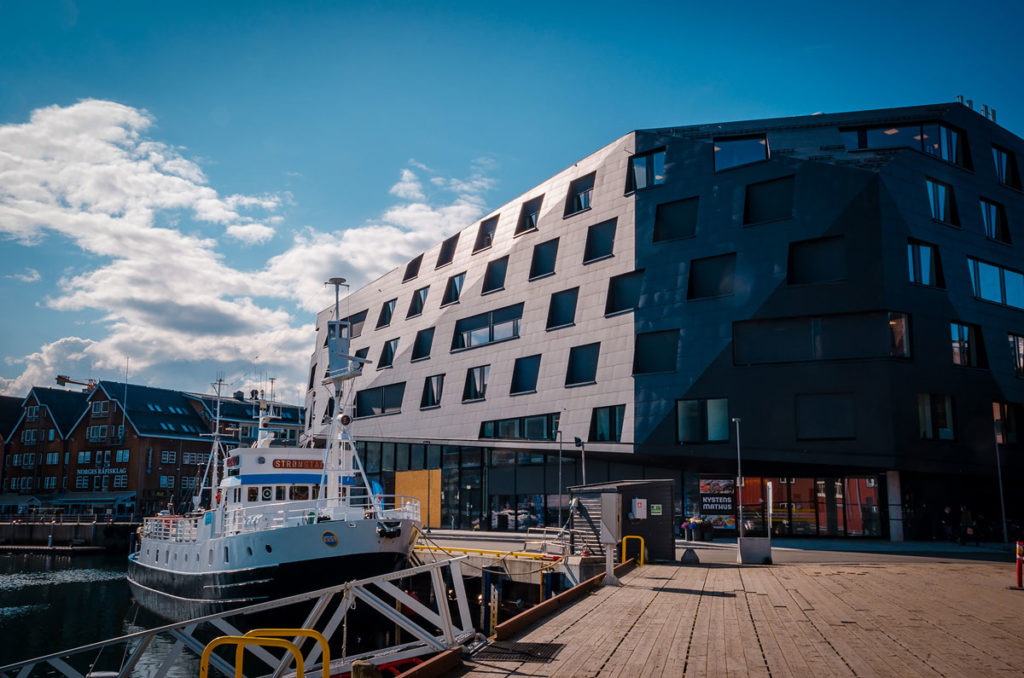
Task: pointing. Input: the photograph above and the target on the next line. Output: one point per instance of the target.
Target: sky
(178, 179)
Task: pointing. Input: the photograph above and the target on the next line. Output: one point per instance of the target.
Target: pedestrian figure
(947, 524)
(966, 525)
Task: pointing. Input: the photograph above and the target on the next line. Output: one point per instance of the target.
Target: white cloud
(167, 297)
(30, 275)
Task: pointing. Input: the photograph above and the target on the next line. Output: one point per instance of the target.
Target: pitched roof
(156, 412)
(233, 409)
(10, 412)
(66, 407)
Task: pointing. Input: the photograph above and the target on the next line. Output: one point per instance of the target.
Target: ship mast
(212, 464)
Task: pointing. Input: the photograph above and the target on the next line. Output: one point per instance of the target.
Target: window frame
(740, 137)
(703, 423)
(445, 298)
(470, 392)
(551, 305)
(446, 254)
(616, 422)
(577, 351)
(968, 349)
(488, 286)
(417, 343)
(383, 401)
(593, 231)
(651, 177)
(1017, 353)
(387, 313)
(467, 327)
(521, 360)
(534, 256)
(948, 205)
(928, 429)
(485, 234)
(914, 268)
(435, 390)
(994, 221)
(388, 353)
(415, 311)
(412, 269)
(529, 209)
(584, 199)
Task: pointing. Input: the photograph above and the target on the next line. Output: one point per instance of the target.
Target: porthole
(268, 548)
(248, 549)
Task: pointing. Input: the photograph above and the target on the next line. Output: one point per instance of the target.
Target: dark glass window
(419, 298)
(606, 423)
(1006, 167)
(656, 352)
(412, 269)
(935, 139)
(387, 354)
(1017, 353)
(995, 283)
(740, 151)
(1008, 419)
(941, 202)
(924, 264)
(487, 328)
(817, 261)
(380, 400)
(476, 383)
(421, 346)
(993, 216)
(524, 374)
(485, 235)
(535, 427)
(712, 277)
(580, 191)
(600, 241)
(935, 416)
(769, 201)
(702, 421)
(562, 310)
(432, 387)
(494, 276)
(386, 311)
(582, 367)
(356, 322)
(646, 170)
(453, 290)
(529, 215)
(966, 342)
(447, 253)
(899, 335)
(363, 352)
(624, 292)
(676, 220)
(543, 261)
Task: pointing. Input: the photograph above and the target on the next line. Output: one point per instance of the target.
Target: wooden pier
(952, 618)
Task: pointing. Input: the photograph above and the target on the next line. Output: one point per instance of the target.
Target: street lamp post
(739, 477)
(559, 434)
(583, 457)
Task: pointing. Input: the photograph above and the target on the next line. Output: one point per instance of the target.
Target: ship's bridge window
(316, 492)
(298, 492)
(253, 494)
(238, 495)
(279, 494)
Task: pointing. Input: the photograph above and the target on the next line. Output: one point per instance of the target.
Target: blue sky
(177, 179)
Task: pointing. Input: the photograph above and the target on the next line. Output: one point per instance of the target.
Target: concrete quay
(883, 613)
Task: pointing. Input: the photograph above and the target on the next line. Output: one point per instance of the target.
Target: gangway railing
(432, 626)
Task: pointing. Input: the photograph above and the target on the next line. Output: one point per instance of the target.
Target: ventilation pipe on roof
(959, 98)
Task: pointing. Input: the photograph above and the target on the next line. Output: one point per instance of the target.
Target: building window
(447, 253)
(997, 284)
(841, 336)
(624, 292)
(386, 311)
(453, 289)
(935, 415)
(769, 201)
(899, 335)
(121, 481)
(966, 345)
(84, 457)
(524, 375)
(355, 324)
(32, 413)
(941, 202)
(676, 220)
(740, 151)
(432, 387)
(923, 264)
(1017, 353)
(712, 277)
(600, 241)
(167, 482)
(494, 276)
(534, 427)
(702, 421)
(993, 215)
(1006, 167)
(818, 261)
(52, 458)
(529, 215)
(562, 310)
(125, 455)
(81, 482)
(580, 192)
(419, 300)
(488, 328)
(476, 383)
(485, 234)
(582, 368)
(942, 141)
(101, 408)
(646, 170)
(1007, 419)
(421, 346)
(656, 352)
(387, 354)
(380, 400)
(412, 269)
(166, 457)
(543, 262)
(606, 423)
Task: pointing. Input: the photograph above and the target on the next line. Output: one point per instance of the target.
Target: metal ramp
(433, 627)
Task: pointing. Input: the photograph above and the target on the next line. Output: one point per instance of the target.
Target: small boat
(277, 521)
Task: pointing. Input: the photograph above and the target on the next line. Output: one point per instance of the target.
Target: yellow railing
(268, 638)
(642, 547)
(487, 552)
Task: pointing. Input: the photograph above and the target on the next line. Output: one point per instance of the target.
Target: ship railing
(171, 528)
(272, 516)
(437, 620)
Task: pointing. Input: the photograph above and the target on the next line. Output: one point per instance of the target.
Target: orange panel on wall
(425, 486)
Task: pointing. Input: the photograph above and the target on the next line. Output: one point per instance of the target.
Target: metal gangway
(433, 627)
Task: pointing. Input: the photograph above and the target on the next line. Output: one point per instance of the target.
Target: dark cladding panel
(825, 416)
(817, 261)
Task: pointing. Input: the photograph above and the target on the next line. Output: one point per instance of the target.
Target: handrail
(242, 642)
(487, 552)
(642, 547)
(325, 650)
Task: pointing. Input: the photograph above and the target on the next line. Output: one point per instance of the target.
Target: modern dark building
(844, 292)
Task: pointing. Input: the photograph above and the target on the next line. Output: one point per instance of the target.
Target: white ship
(279, 520)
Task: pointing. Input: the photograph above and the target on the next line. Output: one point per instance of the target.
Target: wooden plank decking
(916, 619)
